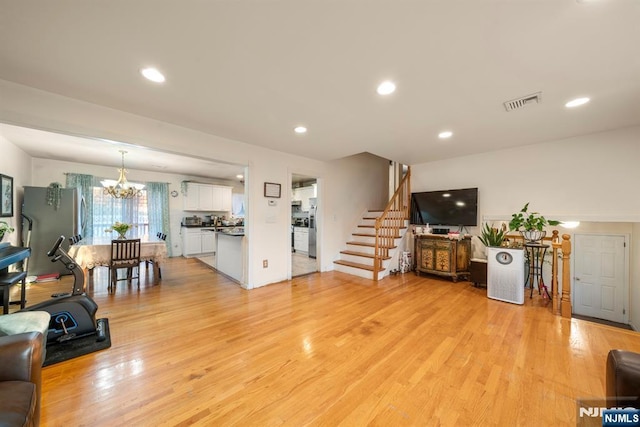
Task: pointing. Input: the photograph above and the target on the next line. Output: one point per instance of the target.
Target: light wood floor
(301, 264)
(325, 349)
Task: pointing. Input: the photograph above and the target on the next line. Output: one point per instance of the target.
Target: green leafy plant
(491, 236)
(5, 228)
(119, 227)
(54, 193)
(528, 221)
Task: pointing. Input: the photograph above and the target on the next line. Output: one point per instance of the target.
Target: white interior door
(599, 285)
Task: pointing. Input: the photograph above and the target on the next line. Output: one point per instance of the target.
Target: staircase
(376, 241)
(359, 257)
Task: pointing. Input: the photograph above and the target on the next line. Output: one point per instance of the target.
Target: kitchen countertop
(231, 233)
(211, 227)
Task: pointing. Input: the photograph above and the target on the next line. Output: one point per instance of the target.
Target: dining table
(95, 251)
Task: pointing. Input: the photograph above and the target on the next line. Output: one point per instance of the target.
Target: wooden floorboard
(324, 349)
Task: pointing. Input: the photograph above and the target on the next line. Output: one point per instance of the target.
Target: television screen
(450, 207)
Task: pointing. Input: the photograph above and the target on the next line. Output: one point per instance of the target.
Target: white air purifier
(505, 275)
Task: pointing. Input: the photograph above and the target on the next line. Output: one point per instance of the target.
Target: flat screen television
(449, 207)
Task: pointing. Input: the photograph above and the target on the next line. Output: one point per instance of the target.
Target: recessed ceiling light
(446, 134)
(300, 129)
(576, 102)
(239, 176)
(386, 88)
(152, 74)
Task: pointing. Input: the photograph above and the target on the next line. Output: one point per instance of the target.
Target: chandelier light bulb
(121, 189)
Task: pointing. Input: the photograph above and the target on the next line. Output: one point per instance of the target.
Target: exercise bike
(72, 315)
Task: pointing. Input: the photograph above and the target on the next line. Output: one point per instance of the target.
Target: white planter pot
(533, 235)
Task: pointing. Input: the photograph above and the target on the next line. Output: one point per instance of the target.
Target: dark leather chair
(20, 379)
(125, 253)
(623, 379)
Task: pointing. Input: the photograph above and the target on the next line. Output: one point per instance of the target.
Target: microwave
(192, 220)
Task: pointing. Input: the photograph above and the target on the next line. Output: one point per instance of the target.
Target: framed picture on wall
(6, 195)
(271, 190)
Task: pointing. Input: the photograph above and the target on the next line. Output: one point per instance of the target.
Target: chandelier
(121, 189)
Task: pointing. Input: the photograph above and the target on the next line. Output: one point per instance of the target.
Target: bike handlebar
(56, 246)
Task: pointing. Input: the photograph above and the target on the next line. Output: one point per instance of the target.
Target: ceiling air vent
(518, 103)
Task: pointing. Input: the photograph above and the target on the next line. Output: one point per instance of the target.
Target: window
(237, 209)
(107, 210)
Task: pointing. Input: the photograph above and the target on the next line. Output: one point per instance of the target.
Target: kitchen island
(229, 253)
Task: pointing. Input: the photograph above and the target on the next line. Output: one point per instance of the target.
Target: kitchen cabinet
(221, 197)
(208, 241)
(301, 239)
(304, 194)
(229, 255)
(207, 197)
(197, 241)
(437, 254)
(191, 199)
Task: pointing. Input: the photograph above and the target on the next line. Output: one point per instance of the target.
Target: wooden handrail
(565, 301)
(555, 244)
(562, 300)
(389, 223)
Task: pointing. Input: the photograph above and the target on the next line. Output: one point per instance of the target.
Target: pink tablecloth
(94, 252)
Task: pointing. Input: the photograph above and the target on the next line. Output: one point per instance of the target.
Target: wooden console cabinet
(437, 254)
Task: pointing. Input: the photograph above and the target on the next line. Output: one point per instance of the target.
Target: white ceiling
(251, 70)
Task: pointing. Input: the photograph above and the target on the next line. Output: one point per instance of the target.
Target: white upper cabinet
(303, 194)
(192, 198)
(221, 198)
(207, 197)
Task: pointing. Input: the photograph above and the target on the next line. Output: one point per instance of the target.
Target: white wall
(592, 178)
(352, 185)
(267, 226)
(16, 164)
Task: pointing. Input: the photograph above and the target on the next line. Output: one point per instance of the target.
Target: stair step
(362, 254)
(356, 265)
(384, 226)
(371, 245)
(372, 235)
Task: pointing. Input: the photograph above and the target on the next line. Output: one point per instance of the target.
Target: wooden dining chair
(160, 236)
(125, 253)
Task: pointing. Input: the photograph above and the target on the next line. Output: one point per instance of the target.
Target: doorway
(304, 225)
(600, 277)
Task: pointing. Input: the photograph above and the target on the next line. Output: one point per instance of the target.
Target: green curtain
(85, 183)
(158, 210)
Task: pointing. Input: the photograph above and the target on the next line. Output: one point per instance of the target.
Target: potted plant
(120, 228)
(530, 224)
(491, 236)
(5, 228)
